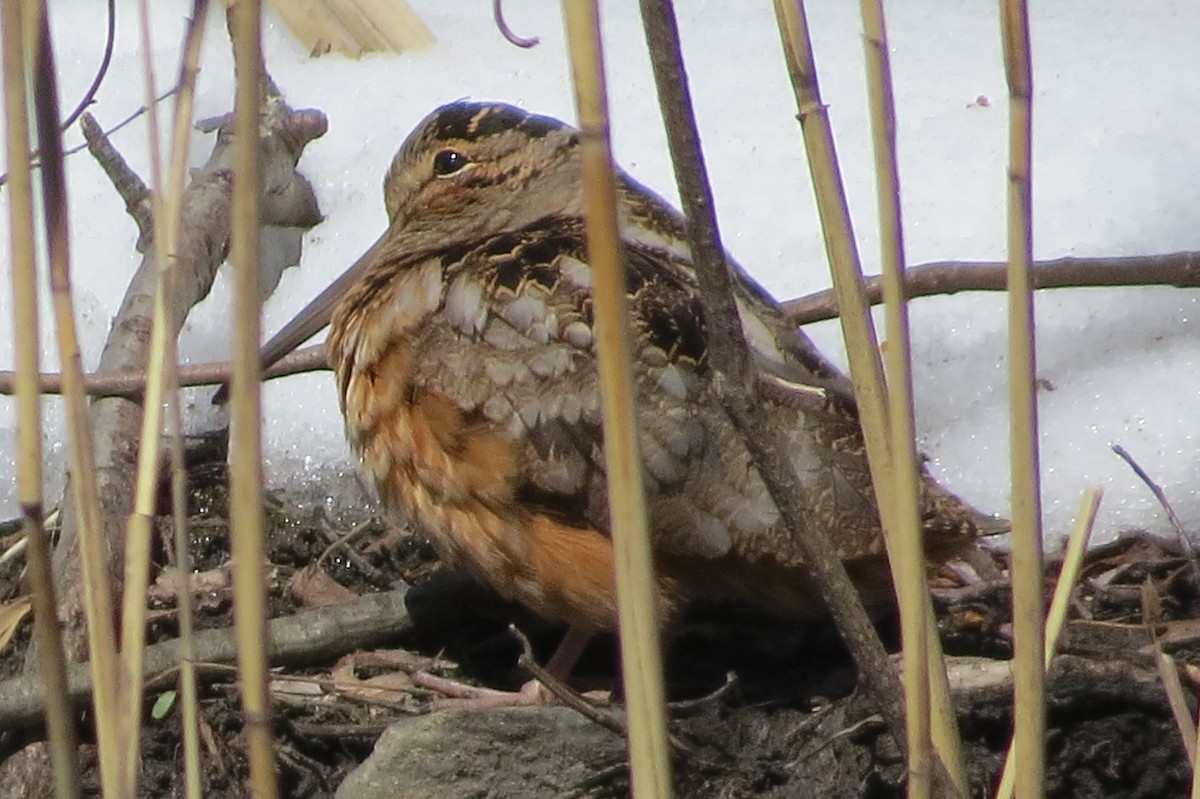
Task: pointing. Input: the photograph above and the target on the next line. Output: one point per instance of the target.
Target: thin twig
(529, 663)
(311, 635)
(131, 188)
(507, 32)
(571, 699)
(133, 117)
(89, 96)
(127, 121)
(1172, 516)
(686, 706)
(729, 357)
(729, 353)
(131, 384)
(339, 541)
(1179, 269)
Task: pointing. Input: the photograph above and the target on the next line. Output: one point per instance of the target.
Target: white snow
(1115, 172)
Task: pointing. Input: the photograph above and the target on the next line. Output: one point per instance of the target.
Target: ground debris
(790, 726)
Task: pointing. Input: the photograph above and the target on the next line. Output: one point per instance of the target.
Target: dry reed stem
(905, 550)
(907, 555)
(1177, 699)
(190, 705)
(1195, 794)
(1056, 618)
(739, 396)
(189, 696)
(140, 520)
(858, 331)
(861, 344)
(167, 210)
(1168, 672)
(641, 658)
(246, 492)
(1068, 573)
(92, 547)
(1029, 672)
(947, 741)
(59, 714)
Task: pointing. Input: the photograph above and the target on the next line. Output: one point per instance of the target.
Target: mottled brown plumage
(467, 374)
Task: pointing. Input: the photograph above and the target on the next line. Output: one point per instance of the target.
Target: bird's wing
(513, 347)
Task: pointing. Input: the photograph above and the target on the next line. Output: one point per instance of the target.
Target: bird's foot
(456, 695)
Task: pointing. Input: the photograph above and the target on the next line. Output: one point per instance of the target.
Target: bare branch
(313, 635)
(130, 383)
(128, 184)
(1180, 269)
(203, 244)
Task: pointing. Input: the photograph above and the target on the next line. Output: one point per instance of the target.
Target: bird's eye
(447, 162)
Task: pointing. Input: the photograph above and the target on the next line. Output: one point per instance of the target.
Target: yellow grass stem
(138, 525)
(1195, 794)
(904, 521)
(97, 593)
(166, 205)
(246, 492)
(59, 714)
(641, 658)
(1068, 574)
(859, 333)
(1177, 698)
(189, 698)
(1056, 618)
(1029, 673)
(947, 742)
(862, 346)
(858, 330)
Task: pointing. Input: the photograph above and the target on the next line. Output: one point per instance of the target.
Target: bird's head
(472, 169)
(468, 171)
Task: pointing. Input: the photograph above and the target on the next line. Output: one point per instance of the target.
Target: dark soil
(790, 726)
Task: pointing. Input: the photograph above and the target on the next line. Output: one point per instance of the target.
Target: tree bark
(287, 202)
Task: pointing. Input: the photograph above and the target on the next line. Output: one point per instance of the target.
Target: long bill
(313, 318)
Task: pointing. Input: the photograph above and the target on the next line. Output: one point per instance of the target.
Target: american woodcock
(466, 368)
